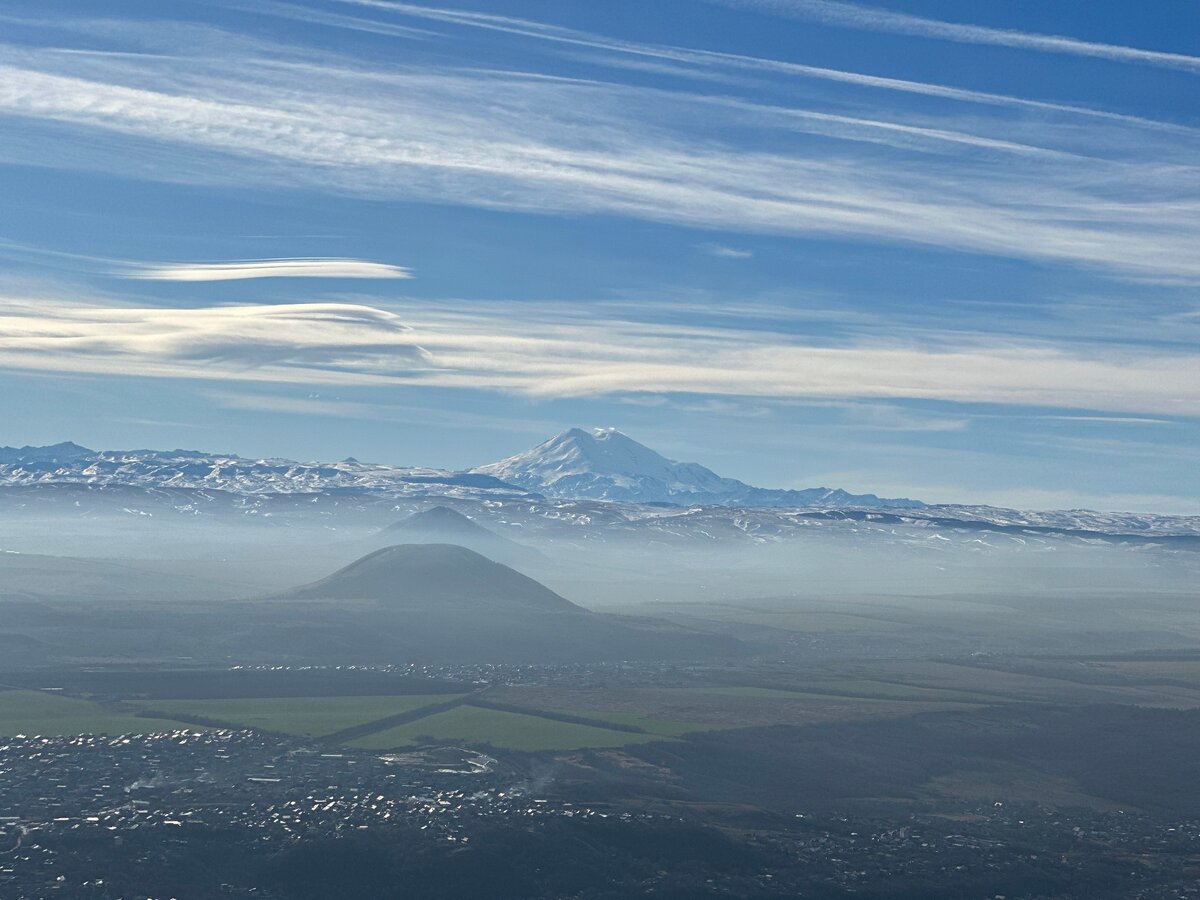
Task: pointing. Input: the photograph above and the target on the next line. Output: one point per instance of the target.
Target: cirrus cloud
(1117, 196)
(873, 18)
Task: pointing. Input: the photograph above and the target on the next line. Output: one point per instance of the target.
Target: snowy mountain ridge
(605, 464)
(610, 478)
(193, 469)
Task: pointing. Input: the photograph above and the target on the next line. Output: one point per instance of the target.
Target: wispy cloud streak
(491, 348)
(1077, 186)
(873, 18)
(706, 59)
(720, 251)
(531, 146)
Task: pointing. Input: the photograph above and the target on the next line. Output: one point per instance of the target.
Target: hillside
(444, 525)
(444, 603)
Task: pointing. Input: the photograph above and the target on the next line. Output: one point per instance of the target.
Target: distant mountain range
(601, 464)
(599, 478)
(69, 463)
(605, 464)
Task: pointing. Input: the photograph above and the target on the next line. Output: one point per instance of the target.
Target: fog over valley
(214, 534)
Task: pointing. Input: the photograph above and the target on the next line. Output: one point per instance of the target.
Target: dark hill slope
(434, 576)
(443, 603)
(432, 604)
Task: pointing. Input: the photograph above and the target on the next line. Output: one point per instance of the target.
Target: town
(109, 817)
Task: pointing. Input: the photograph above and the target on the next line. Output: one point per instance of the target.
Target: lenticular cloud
(267, 268)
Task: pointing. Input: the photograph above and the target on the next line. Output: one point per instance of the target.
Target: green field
(503, 730)
(44, 714)
(850, 690)
(1185, 671)
(316, 716)
(894, 690)
(649, 724)
(756, 692)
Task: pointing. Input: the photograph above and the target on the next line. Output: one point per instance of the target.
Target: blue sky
(938, 249)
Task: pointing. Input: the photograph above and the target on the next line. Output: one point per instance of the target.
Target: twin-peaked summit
(604, 463)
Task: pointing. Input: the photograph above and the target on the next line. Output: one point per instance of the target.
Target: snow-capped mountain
(605, 464)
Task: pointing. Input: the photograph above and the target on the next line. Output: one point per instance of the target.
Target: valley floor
(1034, 777)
